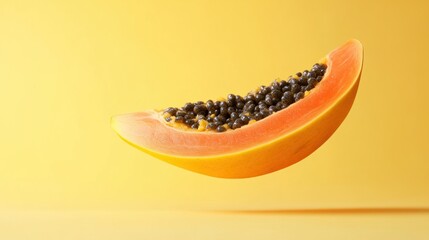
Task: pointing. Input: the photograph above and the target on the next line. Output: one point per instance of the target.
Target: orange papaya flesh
(265, 146)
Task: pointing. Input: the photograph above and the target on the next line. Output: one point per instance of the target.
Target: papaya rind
(278, 153)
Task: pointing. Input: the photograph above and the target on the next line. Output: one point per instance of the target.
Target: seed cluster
(236, 111)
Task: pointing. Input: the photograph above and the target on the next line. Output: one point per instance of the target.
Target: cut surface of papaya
(267, 145)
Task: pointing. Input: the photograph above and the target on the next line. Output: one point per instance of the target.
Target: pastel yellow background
(67, 67)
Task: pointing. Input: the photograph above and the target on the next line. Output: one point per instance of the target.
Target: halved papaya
(265, 146)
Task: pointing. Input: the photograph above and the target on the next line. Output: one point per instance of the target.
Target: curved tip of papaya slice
(265, 146)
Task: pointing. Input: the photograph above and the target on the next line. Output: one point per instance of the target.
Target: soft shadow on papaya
(328, 211)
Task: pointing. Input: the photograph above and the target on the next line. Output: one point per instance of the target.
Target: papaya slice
(262, 147)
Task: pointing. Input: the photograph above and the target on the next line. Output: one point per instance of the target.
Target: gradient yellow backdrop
(67, 67)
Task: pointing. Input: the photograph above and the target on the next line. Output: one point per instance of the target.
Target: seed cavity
(235, 111)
